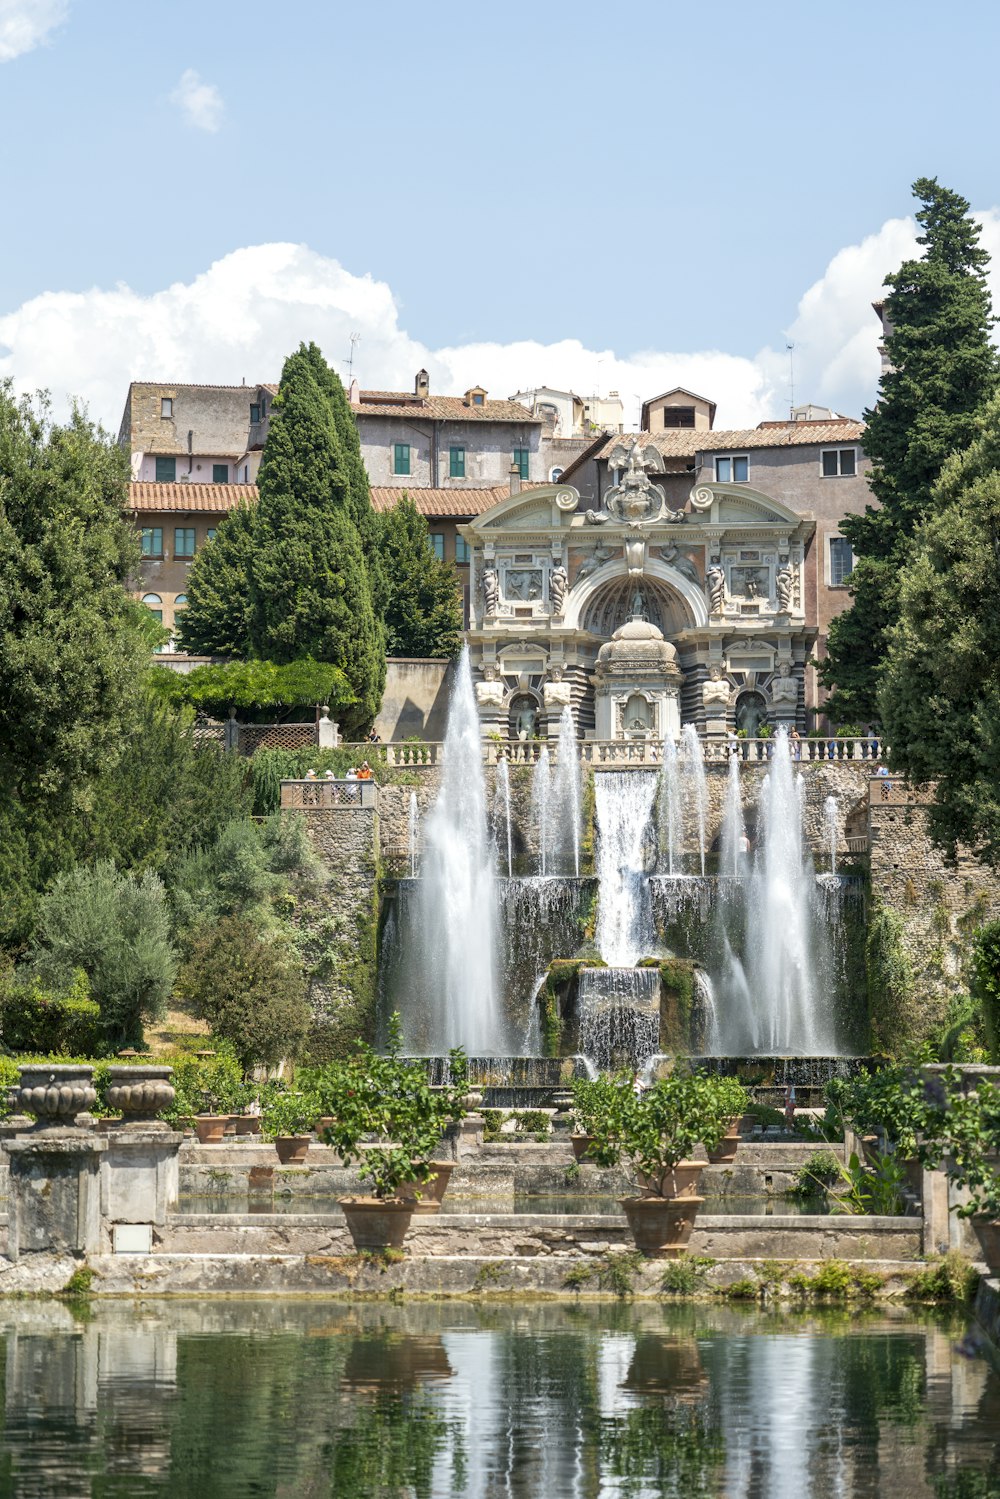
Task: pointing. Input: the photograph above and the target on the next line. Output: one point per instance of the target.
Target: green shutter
(401, 458)
(456, 467)
(220, 473)
(166, 470)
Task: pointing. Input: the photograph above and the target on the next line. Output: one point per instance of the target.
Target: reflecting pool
(227, 1399)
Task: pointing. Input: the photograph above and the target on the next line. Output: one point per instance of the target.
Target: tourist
(352, 782)
(329, 775)
(795, 740)
(310, 774)
(374, 738)
(364, 771)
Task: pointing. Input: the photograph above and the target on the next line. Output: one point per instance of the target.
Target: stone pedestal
(139, 1176)
(469, 1137)
(55, 1192)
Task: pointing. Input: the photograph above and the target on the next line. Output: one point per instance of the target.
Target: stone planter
(427, 1196)
(661, 1226)
(727, 1147)
(987, 1231)
(581, 1145)
(140, 1094)
(210, 1128)
(292, 1149)
(682, 1180)
(55, 1093)
(377, 1222)
(246, 1124)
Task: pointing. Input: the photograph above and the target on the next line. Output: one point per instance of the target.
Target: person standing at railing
(795, 742)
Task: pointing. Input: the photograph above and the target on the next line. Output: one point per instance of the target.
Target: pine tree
(424, 613)
(943, 368)
(217, 618)
(309, 588)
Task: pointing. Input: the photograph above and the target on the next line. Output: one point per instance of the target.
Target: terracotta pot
(246, 1124)
(292, 1149)
(326, 1122)
(210, 1128)
(987, 1231)
(727, 1147)
(581, 1145)
(661, 1226)
(377, 1222)
(426, 1196)
(682, 1180)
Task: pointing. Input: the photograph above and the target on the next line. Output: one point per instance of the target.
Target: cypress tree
(943, 368)
(309, 589)
(217, 618)
(423, 614)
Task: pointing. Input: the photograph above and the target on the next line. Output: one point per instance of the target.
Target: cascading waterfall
(412, 831)
(734, 835)
(455, 976)
(670, 804)
(540, 808)
(625, 856)
(706, 1011)
(619, 1015)
(830, 823)
(566, 793)
(501, 816)
(693, 766)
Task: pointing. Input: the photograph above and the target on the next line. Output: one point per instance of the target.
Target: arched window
(180, 602)
(154, 604)
(555, 474)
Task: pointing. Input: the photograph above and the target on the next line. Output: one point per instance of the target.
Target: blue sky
(646, 179)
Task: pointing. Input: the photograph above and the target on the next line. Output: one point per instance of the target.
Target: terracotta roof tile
(396, 403)
(686, 442)
(218, 499)
(455, 503)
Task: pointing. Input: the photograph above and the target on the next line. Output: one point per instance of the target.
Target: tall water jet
(830, 824)
(734, 835)
(626, 853)
(670, 805)
(455, 1001)
(540, 789)
(412, 832)
(501, 815)
(566, 793)
(693, 764)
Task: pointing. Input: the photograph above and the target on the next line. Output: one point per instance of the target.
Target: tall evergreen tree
(217, 618)
(309, 588)
(423, 614)
(943, 368)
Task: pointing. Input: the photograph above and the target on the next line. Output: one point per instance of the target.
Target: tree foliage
(249, 989)
(216, 621)
(36, 1019)
(986, 982)
(940, 697)
(943, 368)
(423, 614)
(255, 687)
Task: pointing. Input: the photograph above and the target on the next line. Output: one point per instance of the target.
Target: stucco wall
(415, 700)
(489, 447)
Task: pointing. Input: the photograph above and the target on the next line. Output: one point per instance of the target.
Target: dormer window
(476, 396)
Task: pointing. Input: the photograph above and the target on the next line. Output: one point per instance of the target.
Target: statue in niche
(751, 712)
(784, 582)
(785, 687)
(526, 720)
(558, 584)
(716, 689)
(491, 591)
(715, 581)
(639, 605)
(557, 692)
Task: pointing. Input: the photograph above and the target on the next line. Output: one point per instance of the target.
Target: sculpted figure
(716, 689)
(491, 591)
(784, 687)
(784, 583)
(715, 580)
(525, 723)
(558, 583)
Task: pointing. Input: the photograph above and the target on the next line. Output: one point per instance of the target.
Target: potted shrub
(970, 1140)
(389, 1098)
(287, 1119)
(597, 1103)
(733, 1101)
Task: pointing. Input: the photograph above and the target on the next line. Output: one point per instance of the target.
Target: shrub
(821, 1171)
(289, 1112)
(116, 928)
(33, 1018)
(249, 990)
(986, 982)
(212, 1085)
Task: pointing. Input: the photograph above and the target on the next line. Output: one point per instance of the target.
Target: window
(154, 604)
(210, 533)
(220, 473)
(456, 463)
(180, 602)
(166, 406)
(732, 470)
(841, 561)
(839, 463)
(254, 412)
(462, 549)
(184, 541)
(152, 541)
(521, 457)
(555, 475)
(678, 416)
(401, 458)
(436, 540)
(478, 399)
(166, 470)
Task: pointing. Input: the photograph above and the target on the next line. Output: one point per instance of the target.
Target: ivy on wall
(890, 977)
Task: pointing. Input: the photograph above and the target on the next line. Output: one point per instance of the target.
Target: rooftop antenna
(355, 339)
(791, 380)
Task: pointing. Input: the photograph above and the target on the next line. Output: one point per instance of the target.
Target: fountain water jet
(501, 814)
(670, 799)
(623, 803)
(830, 823)
(412, 831)
(734, 835)
(693, 763)
(540, 808)
(566, 790)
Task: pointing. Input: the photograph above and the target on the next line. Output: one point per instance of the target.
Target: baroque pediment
(519, 520)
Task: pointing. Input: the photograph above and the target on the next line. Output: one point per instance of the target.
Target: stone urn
(426, 1197)
(377, 1222)
(581, 1145)
(140, 1094)
(661, 1226)
(56, 1092)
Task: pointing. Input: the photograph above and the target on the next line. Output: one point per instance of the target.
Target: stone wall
(415, 700)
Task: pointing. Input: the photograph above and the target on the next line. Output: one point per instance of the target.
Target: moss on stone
(676, 1004)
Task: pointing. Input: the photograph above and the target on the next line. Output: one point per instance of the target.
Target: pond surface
(228, 1399)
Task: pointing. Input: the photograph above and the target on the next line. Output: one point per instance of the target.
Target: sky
(602, 197)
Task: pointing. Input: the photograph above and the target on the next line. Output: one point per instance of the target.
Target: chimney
(354, 395)
(422, 384)
(515, 479)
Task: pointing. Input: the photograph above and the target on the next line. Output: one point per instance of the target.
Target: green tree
(943, 368)
(217, 618)
(310, 594)
(986, 982)
(249, 989)
(116, 928)
(423, 614)
(940, 696)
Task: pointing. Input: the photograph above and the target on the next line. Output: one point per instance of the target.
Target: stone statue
(673, 556)
(784, 583)
(556, 692)
(491, 591)
(716, 689)
(525, 722)
(595, 517)
(715, 581)
(558, 584)
(785, 687)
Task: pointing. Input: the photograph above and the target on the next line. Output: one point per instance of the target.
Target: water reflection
(228, 1399)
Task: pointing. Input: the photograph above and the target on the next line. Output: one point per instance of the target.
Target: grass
(950, 1278)
(685, 1275)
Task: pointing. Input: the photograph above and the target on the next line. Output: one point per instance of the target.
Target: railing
(323, 794)
(627, 751)
(894, 791)
(290, 736)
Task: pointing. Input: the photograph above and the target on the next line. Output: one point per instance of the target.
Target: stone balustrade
(322, 794)
(621, 752)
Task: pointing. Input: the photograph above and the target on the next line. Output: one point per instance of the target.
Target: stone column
(139, 1183)
(55, 1192)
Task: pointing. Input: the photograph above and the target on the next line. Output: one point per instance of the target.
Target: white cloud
(242, 316)
(200, 103)
(25, 24)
